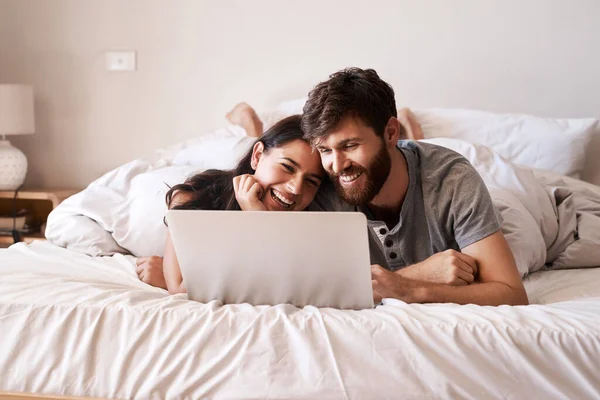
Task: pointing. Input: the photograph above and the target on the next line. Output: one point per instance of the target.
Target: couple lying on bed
(434, 234)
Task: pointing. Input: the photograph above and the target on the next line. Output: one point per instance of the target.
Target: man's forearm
(412, 272)
(485, 294)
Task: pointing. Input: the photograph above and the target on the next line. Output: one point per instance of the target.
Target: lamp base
(13, 166)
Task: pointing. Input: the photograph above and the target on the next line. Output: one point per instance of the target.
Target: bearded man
(434, 232)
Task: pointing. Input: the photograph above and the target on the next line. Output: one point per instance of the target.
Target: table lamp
(16, 118)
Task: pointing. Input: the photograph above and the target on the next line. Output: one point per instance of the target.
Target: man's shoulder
(428, 151)
(448, 180)
(435, 163)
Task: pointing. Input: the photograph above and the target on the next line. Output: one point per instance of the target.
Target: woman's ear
(257, 153)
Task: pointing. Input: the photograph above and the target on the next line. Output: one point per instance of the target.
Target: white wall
(197, 58)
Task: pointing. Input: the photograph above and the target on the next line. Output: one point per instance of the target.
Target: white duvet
(77, 325)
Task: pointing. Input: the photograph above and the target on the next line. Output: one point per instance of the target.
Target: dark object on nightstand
(38, 203)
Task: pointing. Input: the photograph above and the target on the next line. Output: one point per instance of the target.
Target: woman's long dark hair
(213, 188)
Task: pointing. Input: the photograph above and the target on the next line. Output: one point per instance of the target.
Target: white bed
(76, 325)
(81, 326)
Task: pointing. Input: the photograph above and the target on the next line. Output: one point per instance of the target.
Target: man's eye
(323, 151)
(351, 145)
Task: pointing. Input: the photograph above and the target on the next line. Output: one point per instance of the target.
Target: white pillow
(230, 132)
(557, 145)
(215, 152)
(551, 144)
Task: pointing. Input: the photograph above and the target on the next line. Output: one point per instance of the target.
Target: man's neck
(386, 205)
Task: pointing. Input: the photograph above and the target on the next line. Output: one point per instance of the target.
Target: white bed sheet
(75, 325)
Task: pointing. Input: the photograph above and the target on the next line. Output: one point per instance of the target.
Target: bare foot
(411, 125)
(243, 115)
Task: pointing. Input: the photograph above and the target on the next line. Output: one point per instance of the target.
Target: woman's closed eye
(313, 182)
(287, 167)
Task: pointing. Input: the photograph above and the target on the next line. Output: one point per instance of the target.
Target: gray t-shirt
(447, 206)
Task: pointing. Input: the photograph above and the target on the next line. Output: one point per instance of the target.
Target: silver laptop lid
(301, 258)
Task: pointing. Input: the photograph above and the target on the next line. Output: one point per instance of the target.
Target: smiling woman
(280, 173)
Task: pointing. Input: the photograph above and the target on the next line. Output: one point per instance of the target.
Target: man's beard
(375, 175)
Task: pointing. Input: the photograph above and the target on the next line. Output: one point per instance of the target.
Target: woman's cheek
(309, 196)
(265, 177)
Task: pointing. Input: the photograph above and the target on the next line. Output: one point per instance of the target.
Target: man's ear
(393, 132)
(257, 152)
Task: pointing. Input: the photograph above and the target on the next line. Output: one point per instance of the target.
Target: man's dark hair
(355, 92)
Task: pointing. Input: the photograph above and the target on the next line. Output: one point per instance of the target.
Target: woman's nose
(294, 185)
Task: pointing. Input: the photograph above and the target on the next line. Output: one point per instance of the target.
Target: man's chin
(355, 197)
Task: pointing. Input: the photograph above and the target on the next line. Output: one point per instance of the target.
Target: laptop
(267, 258)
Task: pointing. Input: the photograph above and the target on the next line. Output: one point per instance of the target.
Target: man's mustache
(348, 171)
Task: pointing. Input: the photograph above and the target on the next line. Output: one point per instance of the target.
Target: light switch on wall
(122, 60)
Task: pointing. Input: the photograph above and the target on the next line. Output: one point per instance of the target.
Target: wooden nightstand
(38, 202)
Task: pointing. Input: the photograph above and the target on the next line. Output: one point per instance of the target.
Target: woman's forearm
(177, 289)
(171, 269)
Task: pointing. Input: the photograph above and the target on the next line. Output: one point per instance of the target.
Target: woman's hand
(150, 271)
(248, 193)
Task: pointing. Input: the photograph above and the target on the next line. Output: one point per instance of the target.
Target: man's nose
(340, 163)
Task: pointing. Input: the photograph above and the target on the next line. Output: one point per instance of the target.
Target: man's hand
(498, 280)
(150, 271)
(389, 284)
(449, 267)
(248, 193)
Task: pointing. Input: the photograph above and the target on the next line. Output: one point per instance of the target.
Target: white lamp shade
(16, 110)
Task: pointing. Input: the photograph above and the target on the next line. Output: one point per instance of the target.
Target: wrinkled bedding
(550, 221)
(86, 326)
